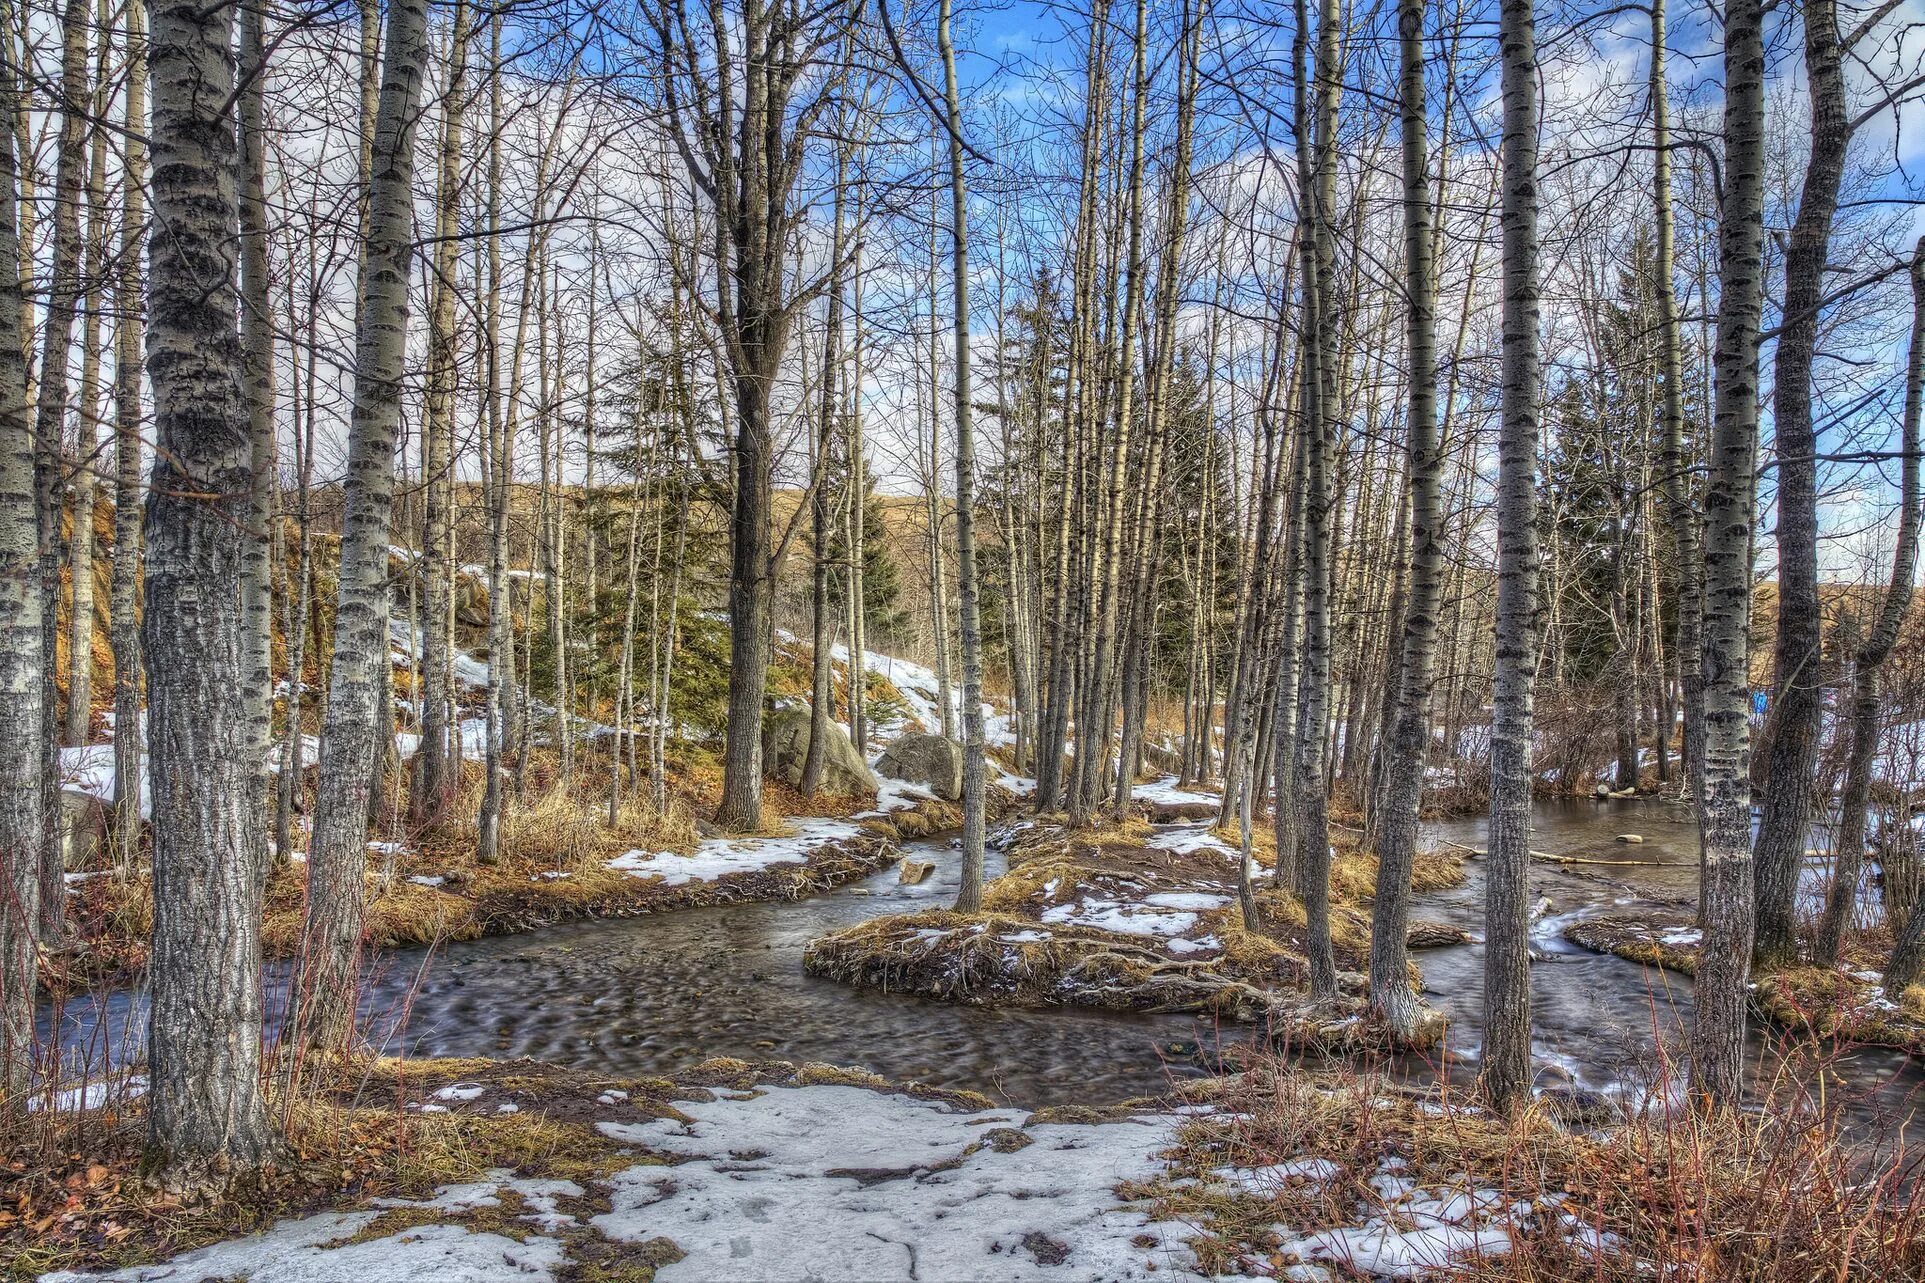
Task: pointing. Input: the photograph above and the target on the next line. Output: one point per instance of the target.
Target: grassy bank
(383, 1129)
(1844, 1004)
(427, 888)
(1368, 1178)
(1126, 917)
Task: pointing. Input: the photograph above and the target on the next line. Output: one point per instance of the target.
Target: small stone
(1633, 838)
(915, 872)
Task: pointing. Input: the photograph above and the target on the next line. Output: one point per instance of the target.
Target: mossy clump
(1840, 1006)
(1637, 939)
(1056, 930)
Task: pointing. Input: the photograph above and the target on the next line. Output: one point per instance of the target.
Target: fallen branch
(1561, 859)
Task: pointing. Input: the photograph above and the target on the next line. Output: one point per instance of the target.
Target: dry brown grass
(988, 958)
(1775, 1195)
(1829, 1004)
(555, 849)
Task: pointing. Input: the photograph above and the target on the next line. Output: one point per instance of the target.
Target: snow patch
(719, 857)
(841, 1183)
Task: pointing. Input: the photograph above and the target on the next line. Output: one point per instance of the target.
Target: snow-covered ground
(718, 857)
(798, 1183)
(1170, 915)
(1164, 792)
(836, 1184)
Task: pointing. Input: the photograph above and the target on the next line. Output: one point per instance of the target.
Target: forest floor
(484, 1170)
(1846, 1004)
(1134, 916)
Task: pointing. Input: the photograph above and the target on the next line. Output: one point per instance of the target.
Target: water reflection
(654, 995)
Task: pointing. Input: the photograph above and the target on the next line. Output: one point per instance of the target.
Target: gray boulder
(929, 760)
(83, 829)
(785, 746)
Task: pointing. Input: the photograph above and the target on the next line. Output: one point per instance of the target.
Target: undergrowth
(1780, 1194)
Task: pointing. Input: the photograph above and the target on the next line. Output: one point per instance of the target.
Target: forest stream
(654, 995)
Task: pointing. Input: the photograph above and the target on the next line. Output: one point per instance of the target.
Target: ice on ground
(841, 1183)
(1196, 901)
(537, 1195)
(1380, 1250)
(1116, 915)
(1185, 839)
(89, 769)
(719, 857)
(1417, 1232)
(460, 1091)
(1165, 792)
(467, 670)
(1276, 1176)
(89, 1095)
(1020, 785)
(316, 1250)
(895, 795)
(474, 740)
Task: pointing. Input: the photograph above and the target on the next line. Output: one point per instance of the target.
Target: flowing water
(654, 995)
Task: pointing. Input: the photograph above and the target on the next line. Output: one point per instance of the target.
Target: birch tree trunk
(436, 762)
(1320, 419)
(257, 354)
(206, 1119)
(1864, 723)
(1140, 601)
(858, 519)
(1409, 743)
(822, 611)
(50, 426)
(1682, 514)
(969, 895)
(80, 552)
(1507, 965)
(130, 306)
(1093, 743)
(1793, 756)
(1730, 501)
(22, 682)
(325, 983)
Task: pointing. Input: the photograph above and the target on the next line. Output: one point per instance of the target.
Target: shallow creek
(654, 995)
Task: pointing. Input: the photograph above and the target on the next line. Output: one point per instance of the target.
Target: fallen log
(1562, 859)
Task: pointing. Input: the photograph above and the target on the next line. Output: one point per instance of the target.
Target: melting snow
(771, 1192)
(719, 857)
(460, 1091)
(312, 1251)
(1166, 792)
(1114, 915)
